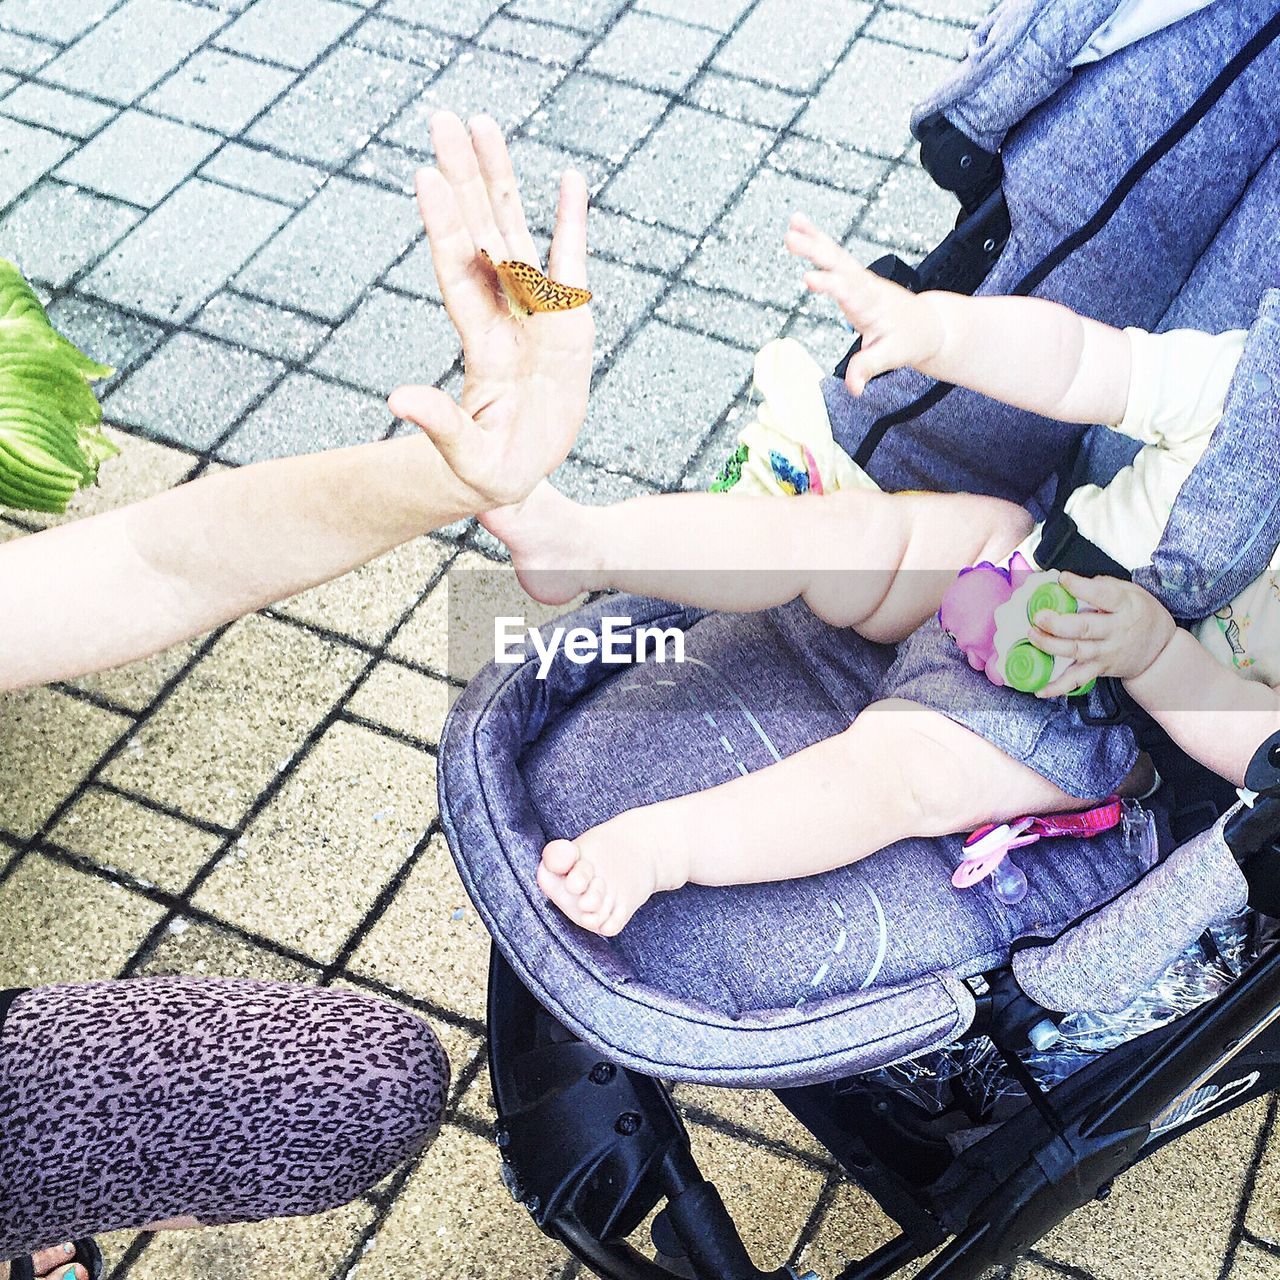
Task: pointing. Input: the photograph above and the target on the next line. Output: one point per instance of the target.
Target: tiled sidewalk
(213, 197)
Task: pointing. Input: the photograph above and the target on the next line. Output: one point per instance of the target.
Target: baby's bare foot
(601, 879)
(547, 546)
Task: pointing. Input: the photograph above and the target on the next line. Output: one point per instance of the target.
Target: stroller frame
(590, 1148)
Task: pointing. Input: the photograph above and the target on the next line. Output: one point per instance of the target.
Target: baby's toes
(579, 879)
(593, 897)
(58, 1263)
(560, 857)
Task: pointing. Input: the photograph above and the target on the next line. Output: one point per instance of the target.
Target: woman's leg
(211, 1100)
(899, 770)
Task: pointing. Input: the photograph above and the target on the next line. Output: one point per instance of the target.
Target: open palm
(524, 394)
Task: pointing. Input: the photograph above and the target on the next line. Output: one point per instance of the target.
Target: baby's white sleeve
(1178, 383)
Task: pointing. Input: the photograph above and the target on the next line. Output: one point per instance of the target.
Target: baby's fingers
(1077, 674)
(869, 361)
(1063, 646)
(1075, 626)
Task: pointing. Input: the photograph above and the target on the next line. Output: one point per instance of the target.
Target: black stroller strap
(1208, 99)
(1062, 545)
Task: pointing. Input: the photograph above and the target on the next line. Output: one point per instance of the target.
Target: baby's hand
(1126, 634)
(897, 327)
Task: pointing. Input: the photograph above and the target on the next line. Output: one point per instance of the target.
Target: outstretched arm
(120, 586)
(1027, 352)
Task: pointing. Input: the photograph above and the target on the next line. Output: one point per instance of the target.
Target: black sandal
(88, 1255)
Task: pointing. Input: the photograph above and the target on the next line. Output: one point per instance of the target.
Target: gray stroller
(1123, 158)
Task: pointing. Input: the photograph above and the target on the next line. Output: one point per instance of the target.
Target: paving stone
(459, 17)
(54, 232)
(192, 390)
(135, 685)
(946, 38)
(180, 255)
(368, 603)
(245, 1252)
(594, 485)
(729, 319)
(1263, 1214)
(415, 273)
(218, 91)
(1179, 1203)
(428, 49)
(747, 254)
(652, 51)
(322, 850)
(1254, 1264)
(7, 82)
(828, 163)
(56, 109)
(227, 731)
(719, 15)
(966, 12)
(630, 420)
(292, 32)
(622, 295)
(65, 21)
(209, 951)
(390, 340)
(477, 81)
(853, 108)
(686, 170)
(406, 702)
(430, 942)
(139, 158)
(657, 248)
(585, 15)
(852, 1227)
(122, 835)
(533, 40)
(719, 446)
(910, 210)
(261, 327)
(742, 100)
(387, 166)
(597, 116)
(49, 742)
(334, 249)
(539, 168)
(261, 173)
(24, 53)
(790, 42)
(26, 154)
(74, 925)
(304, 415)
(108, 335)
(133, 48)
(337, 107)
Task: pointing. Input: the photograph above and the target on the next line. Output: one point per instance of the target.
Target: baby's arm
(1027, 352)
(1213, 714)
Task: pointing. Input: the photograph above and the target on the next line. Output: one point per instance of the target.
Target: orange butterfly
(528, 290)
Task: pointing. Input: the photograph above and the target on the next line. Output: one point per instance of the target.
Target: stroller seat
(780, 983)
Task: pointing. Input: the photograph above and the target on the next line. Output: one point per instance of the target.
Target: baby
(880, 563)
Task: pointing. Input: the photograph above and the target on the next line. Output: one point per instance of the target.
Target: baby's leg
(899, 770)
(878, 562)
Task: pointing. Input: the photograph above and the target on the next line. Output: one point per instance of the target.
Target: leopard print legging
(133, 1101)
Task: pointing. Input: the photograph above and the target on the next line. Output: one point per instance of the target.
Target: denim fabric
(1109, 958)
(762, 984)
(1045, 735)
(1019, 55)
(1225, 525)
(1060, 166)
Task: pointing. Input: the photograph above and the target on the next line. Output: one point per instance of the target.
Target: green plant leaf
(51, 443)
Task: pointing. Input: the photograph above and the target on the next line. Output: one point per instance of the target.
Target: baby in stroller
(882, 563)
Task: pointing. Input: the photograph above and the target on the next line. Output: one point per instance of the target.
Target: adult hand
(524, 396)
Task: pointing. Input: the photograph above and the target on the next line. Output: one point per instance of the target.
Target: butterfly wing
(529, 291)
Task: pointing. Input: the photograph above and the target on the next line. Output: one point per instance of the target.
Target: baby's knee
(1008, 526)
